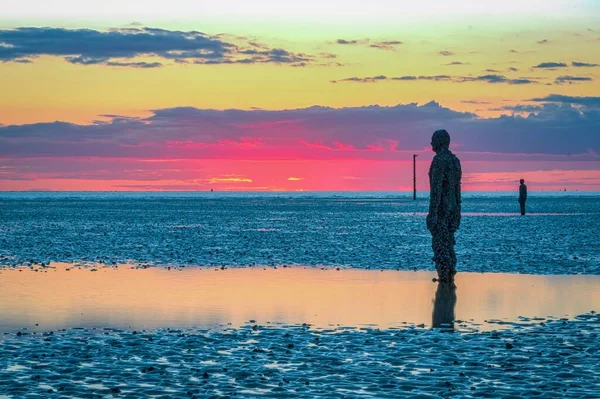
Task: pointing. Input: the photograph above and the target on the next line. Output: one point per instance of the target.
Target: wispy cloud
(103, 61)
(346, 42)
(446, 53)
(491, 78)
(583, 64)
(562, 99)
(498, 79)
(520, 108)
(572, 79)
(475, 102)
(117, 47)
(551, 65)
(513, 51)
(389, 45)
(371, 79)
(229, 179)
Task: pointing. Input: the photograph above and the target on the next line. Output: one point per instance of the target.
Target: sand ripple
(554, 358)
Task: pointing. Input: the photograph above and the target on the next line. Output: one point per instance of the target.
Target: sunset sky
(314, 95)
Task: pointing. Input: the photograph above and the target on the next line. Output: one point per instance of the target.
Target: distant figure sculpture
(444, 205)
(443, 306)
(522, 196)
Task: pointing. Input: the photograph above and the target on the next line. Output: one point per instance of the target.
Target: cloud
(572, 79)
(554, 131)
(437, 78)
(327, 56)
(457, 63)
(513, 51)
(475, 102)
(229, 179)
(444, 78)
(117, 47)
(583, 64)
(551, 65)
(103, 61)
(573, 100)
(372, 79)
(446, 53)
(390, 45)
(497, 79)
(520, 108)
(544, 41)
(143, 65)
(351, 42)
(512, 69)
(276, 56)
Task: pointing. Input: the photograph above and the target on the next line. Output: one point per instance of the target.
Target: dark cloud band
(556, 127)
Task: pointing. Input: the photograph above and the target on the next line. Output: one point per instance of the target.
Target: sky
(304, 96)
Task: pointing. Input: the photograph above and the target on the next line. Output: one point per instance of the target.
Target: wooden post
(414, 176)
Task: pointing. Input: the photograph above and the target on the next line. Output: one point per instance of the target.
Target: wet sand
(554, 359)
(359, 230)
(295, 332)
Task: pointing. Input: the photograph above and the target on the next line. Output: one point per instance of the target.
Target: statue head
(522, 181)
(440, 140)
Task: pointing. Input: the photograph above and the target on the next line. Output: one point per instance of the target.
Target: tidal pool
(195, 297)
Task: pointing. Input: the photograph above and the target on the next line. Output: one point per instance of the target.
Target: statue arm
(436, 178)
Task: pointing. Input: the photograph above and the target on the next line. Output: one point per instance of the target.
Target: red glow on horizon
(285, 175)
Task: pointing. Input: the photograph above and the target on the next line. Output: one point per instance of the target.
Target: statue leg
(452, 255)
(522, 203)
(441, 252)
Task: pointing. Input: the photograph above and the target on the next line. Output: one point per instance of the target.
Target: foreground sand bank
(555, 359)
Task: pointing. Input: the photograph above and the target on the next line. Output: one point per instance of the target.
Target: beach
(168, 296)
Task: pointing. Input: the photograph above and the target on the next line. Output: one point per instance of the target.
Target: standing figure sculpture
(444, 205)
(522, 196)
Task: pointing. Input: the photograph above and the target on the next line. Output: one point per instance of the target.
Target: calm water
(200, 297)
(358, 230)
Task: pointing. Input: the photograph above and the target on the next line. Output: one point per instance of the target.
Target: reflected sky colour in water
(201, 297)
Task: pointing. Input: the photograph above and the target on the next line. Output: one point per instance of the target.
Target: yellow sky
(51, 89)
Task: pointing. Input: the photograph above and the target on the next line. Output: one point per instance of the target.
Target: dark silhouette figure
(522, 196)
(444, 205)
(443, 306)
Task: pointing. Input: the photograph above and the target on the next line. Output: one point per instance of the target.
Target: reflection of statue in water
(444, 205)
(522, 196)
(443, 306)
